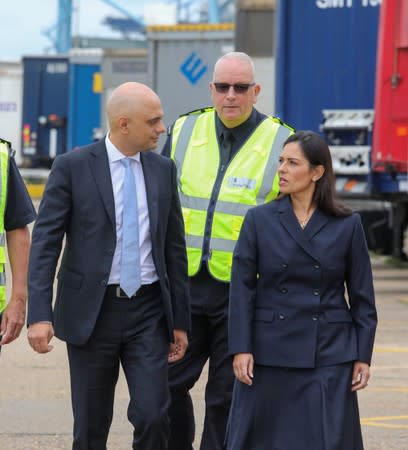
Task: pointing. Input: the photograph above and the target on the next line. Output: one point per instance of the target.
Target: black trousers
(207, 341)
(131, 332)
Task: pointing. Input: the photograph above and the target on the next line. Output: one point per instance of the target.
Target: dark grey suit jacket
(287, 303)
(78, 204)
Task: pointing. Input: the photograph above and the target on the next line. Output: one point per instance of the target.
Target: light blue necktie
(130, 262)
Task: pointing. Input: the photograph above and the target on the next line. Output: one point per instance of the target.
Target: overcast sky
(24, 21)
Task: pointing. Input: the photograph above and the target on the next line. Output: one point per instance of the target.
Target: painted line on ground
(390, 349)
(379, 422)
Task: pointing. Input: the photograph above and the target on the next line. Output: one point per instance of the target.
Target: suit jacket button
(316, 292)
(281, 317)
(284, 265)
(314, 318)
(316, 266)
(284, 290)
(103, 283)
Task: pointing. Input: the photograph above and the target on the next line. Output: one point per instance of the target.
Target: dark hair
(317, 152)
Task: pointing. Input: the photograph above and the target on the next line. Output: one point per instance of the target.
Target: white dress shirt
(117, 170)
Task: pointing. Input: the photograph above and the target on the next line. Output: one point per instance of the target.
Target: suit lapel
(302, 237)
(316, 223)
(152, 186)
(100, 169)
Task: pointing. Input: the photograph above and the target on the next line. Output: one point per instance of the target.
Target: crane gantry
(60, 34)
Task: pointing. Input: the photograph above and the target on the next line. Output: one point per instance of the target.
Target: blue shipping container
(85, 100)
(326, 55)
(45, 108)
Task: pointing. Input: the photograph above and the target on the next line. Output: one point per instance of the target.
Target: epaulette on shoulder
(3, 141)
(285, 124)
(198, 111)
(10, 150)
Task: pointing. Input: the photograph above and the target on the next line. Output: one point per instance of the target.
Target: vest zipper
(207, 251)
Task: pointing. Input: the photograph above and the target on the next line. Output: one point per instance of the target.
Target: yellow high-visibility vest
(250, 179)
(4, 165)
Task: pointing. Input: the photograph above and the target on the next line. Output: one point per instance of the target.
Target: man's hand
(243, 366)
(13, 319)
(39, 336)
(178, 349)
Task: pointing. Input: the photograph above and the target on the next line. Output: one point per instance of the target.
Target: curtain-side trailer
(342, 69)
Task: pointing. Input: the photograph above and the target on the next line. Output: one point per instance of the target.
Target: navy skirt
(295, 409)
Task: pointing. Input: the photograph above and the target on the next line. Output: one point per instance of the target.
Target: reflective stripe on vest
(250, 179)
(4, 162)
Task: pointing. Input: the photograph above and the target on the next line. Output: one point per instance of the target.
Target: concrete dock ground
(35, 411)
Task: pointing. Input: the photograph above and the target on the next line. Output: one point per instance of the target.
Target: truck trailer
(342, 70)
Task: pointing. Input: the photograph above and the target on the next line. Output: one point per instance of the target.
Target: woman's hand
(361, 375)
(243, 365)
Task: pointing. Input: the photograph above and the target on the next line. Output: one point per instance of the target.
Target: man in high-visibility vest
(227, 157)
(16, 212)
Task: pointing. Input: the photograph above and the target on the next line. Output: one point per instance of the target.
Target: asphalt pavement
(35, 393)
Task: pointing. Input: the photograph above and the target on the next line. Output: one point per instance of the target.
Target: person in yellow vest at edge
(16, 212)
(227, 158)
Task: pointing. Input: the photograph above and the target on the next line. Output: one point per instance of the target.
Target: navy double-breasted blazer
(288, 304)
(78, 204)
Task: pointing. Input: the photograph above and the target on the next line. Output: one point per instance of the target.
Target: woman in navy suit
(301, 347)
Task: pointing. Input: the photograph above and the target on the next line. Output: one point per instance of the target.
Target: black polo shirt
(19, 207)
(242, 132)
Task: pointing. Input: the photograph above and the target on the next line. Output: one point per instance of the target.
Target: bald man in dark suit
(103, 324)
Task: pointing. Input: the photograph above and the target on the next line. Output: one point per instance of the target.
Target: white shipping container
(180, 64)
(11, 88)
(265, 76)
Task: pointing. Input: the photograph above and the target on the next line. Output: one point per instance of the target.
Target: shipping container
(45, 109)
(85, 89)
(181, 61)
(326, 58)
(11, 89)
(255, 35)
(120, 66)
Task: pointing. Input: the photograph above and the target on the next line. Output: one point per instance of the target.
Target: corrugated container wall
(181, 60)
(326, 55)
(119, 66)
(45, 109)
(255, 27)
(255, 35)
(85, 89)
(11, 89)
